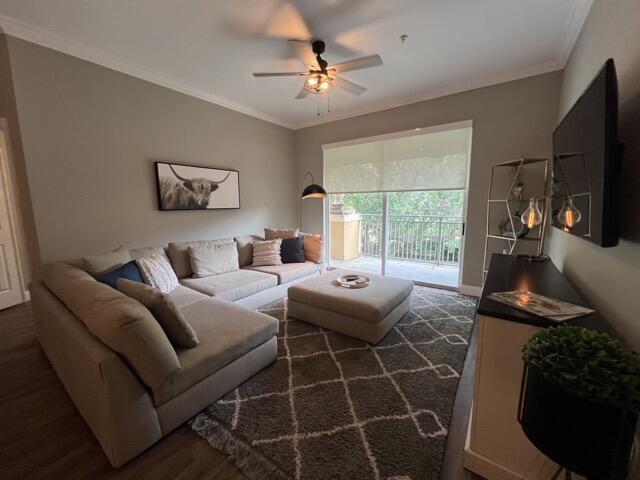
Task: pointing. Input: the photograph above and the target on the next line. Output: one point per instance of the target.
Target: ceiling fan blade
(349, 86)
(304, 51)
(303, 93)
(281, 74)
(358, 63)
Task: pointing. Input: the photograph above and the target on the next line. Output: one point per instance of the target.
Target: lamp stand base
(567, 474)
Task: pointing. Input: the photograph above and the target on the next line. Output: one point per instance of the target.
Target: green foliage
(587, 363)
(437, 202)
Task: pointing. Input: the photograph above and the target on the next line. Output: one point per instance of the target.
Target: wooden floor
(43, 436)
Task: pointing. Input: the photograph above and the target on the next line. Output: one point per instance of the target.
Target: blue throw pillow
(129, 270)
(292, 250)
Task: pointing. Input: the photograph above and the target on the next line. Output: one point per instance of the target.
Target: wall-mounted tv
(585, 162)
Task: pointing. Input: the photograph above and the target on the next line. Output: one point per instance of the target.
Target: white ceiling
(209, 48)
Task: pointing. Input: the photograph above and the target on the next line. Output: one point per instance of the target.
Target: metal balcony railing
(415, 238)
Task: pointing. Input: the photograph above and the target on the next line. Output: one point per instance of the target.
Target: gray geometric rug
(333, 407)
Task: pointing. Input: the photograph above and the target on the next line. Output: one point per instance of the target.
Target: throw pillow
(129, 270)
(272, 234)
(179, 254)
(207, 260)
(98, 265)
(267, 253)
(313, 247)
(165, 311)
(292, 250)
(157, 272)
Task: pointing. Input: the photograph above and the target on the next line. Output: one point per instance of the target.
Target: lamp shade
(314, 191)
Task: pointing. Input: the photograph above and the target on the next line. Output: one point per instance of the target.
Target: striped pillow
(267, 253)
(157, 272)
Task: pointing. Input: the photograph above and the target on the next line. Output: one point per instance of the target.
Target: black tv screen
(585, 161)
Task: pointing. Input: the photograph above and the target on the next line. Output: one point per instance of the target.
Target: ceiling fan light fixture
(319, 83)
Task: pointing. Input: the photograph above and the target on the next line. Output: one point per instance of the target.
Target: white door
(10, 279)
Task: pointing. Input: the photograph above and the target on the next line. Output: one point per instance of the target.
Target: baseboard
(471, 290)
(26, 295)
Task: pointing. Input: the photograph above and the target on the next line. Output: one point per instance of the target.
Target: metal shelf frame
(516, 166)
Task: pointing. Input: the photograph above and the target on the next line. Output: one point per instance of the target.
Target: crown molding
(29, 33)
(578, 15)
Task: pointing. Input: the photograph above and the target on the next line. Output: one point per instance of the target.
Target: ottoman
(365, 313)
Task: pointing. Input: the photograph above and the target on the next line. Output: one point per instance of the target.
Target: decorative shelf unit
(504, 177)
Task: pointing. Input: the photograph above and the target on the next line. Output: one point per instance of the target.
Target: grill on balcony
(415, 238)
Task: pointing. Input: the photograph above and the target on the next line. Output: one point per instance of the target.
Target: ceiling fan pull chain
(318, 114)
(328, 105)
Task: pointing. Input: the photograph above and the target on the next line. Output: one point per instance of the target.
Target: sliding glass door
(396, 204)
(356, 234)
(421, 234)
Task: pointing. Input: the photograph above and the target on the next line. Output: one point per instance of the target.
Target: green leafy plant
(587, 363)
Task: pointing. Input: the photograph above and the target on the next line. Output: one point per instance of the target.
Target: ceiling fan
(321, 77)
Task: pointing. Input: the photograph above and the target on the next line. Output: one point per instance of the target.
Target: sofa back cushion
(98, 265)
(179, 254)
(145, 252)
(120, 322)
(272, 233)
(267, 252)
(207, 260)
(165, 311)
(245, 248)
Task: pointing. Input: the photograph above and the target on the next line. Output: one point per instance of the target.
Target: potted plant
(580, 399)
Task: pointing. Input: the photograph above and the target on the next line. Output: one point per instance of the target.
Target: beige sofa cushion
(272, 233)
(245, 248)
(183, 296)
(145, 252)
(165, 311)
(98, 265)
(313, 247)
(207, 260)
(288, 272)
(179, 254)
(267, 252)
(226, 331)
(371, 304)
(122, 323)
(233, 285)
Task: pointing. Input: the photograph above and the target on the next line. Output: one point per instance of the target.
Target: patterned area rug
(335, 407)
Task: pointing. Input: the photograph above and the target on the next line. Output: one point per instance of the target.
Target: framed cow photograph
(188, 187)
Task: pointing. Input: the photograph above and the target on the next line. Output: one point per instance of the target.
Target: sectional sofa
(131, 385)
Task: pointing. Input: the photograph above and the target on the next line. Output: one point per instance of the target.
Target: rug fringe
(253, 464)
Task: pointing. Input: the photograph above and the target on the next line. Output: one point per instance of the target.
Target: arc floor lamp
(313, 190)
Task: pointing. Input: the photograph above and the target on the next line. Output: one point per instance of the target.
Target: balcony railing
(415, 238)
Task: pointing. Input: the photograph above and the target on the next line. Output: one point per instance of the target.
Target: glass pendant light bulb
(532, 216)
(569, 215)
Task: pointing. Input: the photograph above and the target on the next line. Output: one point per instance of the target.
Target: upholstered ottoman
(365, 313)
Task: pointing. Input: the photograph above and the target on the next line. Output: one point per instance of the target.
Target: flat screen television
(585, 163)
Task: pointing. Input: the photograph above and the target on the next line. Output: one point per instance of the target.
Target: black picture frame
(181, 186)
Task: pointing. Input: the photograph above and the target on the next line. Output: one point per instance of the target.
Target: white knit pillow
(267, 252)
(157, 272)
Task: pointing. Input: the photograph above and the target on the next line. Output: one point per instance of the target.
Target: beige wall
(609, 277)
(90, 138)
(510, 120)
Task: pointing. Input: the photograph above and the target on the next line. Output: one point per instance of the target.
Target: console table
(496, 447)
